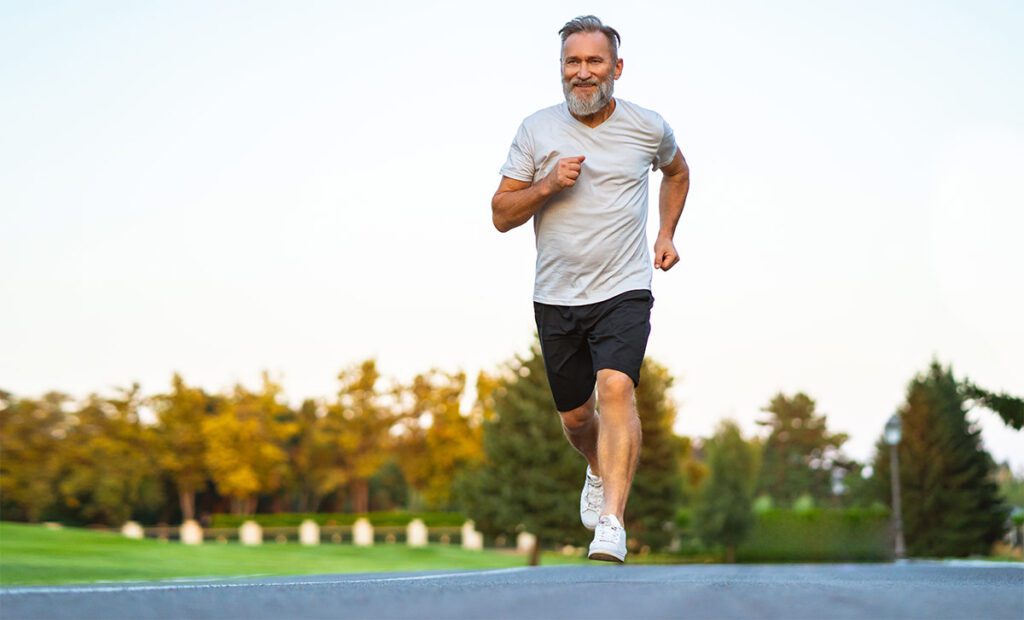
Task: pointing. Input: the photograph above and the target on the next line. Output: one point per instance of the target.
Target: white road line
(213, 586)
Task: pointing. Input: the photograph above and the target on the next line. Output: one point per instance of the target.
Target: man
(580, 169)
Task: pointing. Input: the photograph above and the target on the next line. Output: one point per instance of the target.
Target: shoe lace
(609, 533)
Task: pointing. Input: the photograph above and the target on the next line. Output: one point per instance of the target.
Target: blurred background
(247, 268)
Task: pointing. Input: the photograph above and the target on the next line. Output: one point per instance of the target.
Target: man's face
(588, 73)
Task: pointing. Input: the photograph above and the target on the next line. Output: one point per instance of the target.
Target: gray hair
(590, 23)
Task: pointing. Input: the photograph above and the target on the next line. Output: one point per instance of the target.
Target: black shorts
(577, 341)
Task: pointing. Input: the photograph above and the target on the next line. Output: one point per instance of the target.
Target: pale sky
(219, 188)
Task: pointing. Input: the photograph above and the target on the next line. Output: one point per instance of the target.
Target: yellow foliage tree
(439, 441)
(245, 442)
(357, 425)
(180, 442)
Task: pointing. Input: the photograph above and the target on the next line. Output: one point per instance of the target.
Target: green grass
(34, 555)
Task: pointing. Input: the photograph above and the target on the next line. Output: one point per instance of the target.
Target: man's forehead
(587, 44)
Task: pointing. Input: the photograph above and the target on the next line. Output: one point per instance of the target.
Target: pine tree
(658, 485)
(799, 452)
(531, 477)
(725, 513)
(951, 505)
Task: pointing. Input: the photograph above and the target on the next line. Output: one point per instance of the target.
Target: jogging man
(580, 170)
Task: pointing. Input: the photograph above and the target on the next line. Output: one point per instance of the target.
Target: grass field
(31, 554)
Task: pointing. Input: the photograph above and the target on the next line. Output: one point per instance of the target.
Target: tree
(30, 445)
(360, 421)
(111, 472)
(180, 443)
(724, 514)
(531, 478)
(658, 485)
(245, 444)
(439, 442)
(951, 504)
(799, 453)
(315, 466)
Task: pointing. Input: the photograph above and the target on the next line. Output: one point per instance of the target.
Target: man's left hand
(665, 255)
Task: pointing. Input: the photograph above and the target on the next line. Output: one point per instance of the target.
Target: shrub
(818, 535)
(382, 519)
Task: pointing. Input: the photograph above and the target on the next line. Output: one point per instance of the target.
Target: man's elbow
(496, 218)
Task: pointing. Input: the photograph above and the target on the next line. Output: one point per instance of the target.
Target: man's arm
(675, 184)
(516, 201)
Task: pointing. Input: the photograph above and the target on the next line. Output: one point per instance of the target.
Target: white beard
(580, 106)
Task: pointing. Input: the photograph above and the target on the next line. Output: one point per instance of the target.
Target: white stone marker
(309, 532)
(250, 533)
(416, 533)
(471, 539)
(525, 542)
(132, 529)
(191, 533)
(362, 533)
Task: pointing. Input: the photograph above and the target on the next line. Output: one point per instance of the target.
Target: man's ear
(618, 68)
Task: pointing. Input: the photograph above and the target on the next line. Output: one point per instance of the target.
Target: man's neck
(595, 119)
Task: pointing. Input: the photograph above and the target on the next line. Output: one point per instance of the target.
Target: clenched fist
(565, 173)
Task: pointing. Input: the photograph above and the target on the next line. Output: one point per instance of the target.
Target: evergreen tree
(725, 513)
(531, 478)
(799, 453)
(658, 485)
(951, 504)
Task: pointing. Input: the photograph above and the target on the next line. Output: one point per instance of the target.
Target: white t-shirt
(592, 237)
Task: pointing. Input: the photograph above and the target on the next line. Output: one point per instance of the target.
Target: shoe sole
(603, 556)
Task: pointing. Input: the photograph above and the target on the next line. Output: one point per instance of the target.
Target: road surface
(912, 590)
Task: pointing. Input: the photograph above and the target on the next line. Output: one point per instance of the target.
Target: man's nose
(584, 71)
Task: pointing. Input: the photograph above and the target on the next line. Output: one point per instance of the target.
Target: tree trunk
(360, 496)
(730, 554)
(187, 500)
(535, 552)
(339, 500)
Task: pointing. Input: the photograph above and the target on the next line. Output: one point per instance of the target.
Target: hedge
(383, 519)
(818, 535)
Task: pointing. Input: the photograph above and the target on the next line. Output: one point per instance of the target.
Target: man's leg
(618, 442)
(581, 427)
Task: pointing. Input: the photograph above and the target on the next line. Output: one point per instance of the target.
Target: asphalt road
(929, 591)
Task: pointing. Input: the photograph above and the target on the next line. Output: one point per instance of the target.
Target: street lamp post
(893, 433)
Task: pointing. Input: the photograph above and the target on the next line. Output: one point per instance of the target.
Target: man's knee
(614, 386)
(579, 417)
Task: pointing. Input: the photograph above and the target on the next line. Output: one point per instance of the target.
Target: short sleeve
(519, 164)
(667, 149)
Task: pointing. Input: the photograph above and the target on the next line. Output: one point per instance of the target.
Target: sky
(222, 188)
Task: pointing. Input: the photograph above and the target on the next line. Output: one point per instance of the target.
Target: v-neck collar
(615, 112)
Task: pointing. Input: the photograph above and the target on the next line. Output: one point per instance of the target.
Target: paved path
(930, 591)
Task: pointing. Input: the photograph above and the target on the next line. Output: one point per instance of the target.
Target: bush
(818, 535)
(382, 519)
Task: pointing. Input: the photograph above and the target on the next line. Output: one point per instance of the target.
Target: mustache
(590, 82)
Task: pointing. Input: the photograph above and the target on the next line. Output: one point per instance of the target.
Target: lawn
(31, 554)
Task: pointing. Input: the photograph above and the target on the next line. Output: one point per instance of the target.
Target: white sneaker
(609, 541)
(591, 500)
